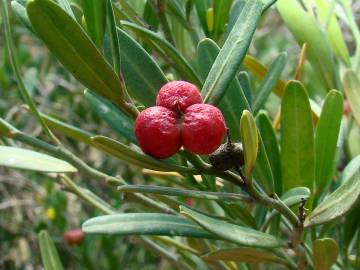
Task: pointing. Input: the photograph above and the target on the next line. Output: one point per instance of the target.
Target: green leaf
(326, 137)
(244, 80)
(202, 7)
(176, 9)
(270, 80)
(240, 254)
(326, 251)
(70, 44)
(115, 45)
(351, 84)
(169, 191)
(64, 4)
(233, 233)
(144, 224)
(20, 12)
(306, 30)
(221, 13)
(351, 168)
(234, 101)
(295, 195)
(229, 59)
(115, 118)
(143, 77)
(234, 13)
(260, 71)
(167, 50)
(262, 169)
(333, 30)
(5, 128)
(49, 255)
(272, 149)
(297, 139)
(95, 19)
(68, 130)
(125, 153)
(26, 96)
(239, 212)
(18, 158)
(337, 203)
(249, 138)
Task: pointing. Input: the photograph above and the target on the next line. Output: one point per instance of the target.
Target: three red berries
(179, 119)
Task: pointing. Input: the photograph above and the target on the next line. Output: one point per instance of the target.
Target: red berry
(347, 108)
(189, 201)
(157, 132)
(74, 237)
(203, 129)
(178, 94)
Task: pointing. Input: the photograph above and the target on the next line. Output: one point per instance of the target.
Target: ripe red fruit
(178, 94)
(157, 132)
(74, 237)
(203, 129)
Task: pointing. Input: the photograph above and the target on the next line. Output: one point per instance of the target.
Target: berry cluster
(179, 119)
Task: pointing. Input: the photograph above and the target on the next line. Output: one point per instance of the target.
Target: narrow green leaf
(68, 130)
(351, 225)
(144, 224)
(351, 84)
(232, 53)
(260, 71)
(272, 148)
(24, 159)
(150, 17)
(247, 255)
(268, 83)
(143, 77)
(326, 137)
(49, 255)
(66, 6)
(306, 30)
(234, 101)
(168, 191)
(262, 170)
(5, 128)
(20, 12)
(333, 30)
(202, 7)
(115, 118)
(16, 68)
(95, 19)
(239, 212)
(221, 13)
(70, 44)
(244, 80)
(295, 195)
(351, 168)
(325, 251)
(233, 233)
(249, 138)
(234, 13)
(167, 50)
(177, 10)
(297, 139)
(125, 153)
(337, 203)
(115, 45)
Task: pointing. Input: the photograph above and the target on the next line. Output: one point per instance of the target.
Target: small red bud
(74, 237)
(189, 201)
